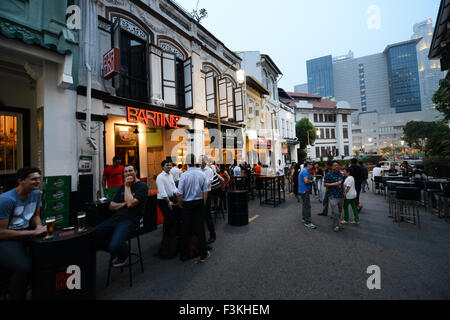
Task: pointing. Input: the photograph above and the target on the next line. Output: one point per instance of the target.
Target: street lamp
(403, 149)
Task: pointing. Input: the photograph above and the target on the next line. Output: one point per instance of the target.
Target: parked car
(386, 165)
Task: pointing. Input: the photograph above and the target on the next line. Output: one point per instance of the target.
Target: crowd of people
(343, 186)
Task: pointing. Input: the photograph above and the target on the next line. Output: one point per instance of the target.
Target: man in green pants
(350, 197)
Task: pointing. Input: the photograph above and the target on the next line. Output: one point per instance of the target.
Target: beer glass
(50, 223)
(81, 216)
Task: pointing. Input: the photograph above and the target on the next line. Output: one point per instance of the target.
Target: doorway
(127, 144)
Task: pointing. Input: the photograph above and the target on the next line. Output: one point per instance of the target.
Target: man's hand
(40, 230)
(129, 181)
(171, 205)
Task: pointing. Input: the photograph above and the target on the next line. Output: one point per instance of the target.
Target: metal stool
(431, 188)
(408, 199)
(136, 235)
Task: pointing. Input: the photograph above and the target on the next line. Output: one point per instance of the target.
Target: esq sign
(111, 63)
(135, 115)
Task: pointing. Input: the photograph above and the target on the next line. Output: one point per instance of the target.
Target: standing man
(192, 197)
(324, 212)
(129, 207)
(209, 174)
(113, 174)
(333, 181)
(304, 189)
(359, 177)
(166, 197)
(176, 173)
(20, 210)
(365, 173)
(280, 169)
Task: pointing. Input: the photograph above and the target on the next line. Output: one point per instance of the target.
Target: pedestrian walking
(304, 189)
(350, 197)
(192, 197)
(333, 181)
(295, 175)
(359, 177)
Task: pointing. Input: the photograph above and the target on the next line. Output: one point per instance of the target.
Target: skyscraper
(320, 76)
(429, 70)
(404, 82)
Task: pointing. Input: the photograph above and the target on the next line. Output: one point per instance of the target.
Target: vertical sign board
(111, 63)
(56, 199)
(284, 148)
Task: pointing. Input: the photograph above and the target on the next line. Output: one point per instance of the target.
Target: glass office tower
(404, 82)
(320, 76)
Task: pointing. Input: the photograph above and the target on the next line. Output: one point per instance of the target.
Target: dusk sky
(293, 31)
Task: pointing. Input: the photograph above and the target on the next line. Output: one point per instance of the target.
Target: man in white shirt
(280, 169)
(209, 174)
(176, 173)
(377, 171)
(166, 197)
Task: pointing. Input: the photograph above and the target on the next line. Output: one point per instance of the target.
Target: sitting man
(128, 206)
(20, 210)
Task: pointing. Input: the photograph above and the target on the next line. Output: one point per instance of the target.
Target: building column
(340, 135)
(196, 141)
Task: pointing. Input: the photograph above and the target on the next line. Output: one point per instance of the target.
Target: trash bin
(238, 208)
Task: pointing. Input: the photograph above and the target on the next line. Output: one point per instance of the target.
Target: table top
(63, 235)
(402, 182)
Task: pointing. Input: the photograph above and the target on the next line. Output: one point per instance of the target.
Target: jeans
(364, 186)
(14, 258)
(306, 208)
(336, 210)
(192, 221)
(112, 236)
(319, 184)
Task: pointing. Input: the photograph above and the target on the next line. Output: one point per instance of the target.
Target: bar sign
(111, 63)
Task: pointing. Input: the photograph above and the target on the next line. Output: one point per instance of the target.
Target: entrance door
(155, 157)
(127, 144)
(11, 148)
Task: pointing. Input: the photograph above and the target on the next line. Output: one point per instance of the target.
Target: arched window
(229, 94)
(176, 75)
(132, 40)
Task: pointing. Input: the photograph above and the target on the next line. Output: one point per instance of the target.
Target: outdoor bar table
(52, 260)
(273, 190)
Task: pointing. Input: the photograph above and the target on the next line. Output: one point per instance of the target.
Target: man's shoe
(121, 263)
(205, 258)
(336, 229)
(303, 220)
(212, 239)
(310, 226)
(344, 222)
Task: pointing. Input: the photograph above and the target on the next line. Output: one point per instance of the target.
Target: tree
(306, 133)
(199, 15)
(438, 144)
(416, 133)
(442, 98)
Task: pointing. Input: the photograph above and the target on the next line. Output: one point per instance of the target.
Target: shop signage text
(135, 115)
(111, 63)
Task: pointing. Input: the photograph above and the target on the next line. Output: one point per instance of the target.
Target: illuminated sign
(284, 148)
(135, 115)
(111, 63)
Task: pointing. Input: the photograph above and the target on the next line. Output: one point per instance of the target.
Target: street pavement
(277, 258)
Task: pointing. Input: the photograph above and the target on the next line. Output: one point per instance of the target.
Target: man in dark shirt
(365, 176)
(333, 182)
(128, 206)
(358, 175)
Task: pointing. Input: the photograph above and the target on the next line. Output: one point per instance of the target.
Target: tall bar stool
(431, 188)
(443, 197)
(131, 255)
(408, 200)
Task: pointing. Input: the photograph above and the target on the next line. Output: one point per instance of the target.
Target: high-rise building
(429, 70)
(303, 88)
(404, 82)
(320, 76)
(389, 89)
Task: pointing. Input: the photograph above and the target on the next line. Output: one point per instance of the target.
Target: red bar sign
(111, 63)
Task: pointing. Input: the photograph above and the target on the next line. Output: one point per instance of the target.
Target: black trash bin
(238, 208)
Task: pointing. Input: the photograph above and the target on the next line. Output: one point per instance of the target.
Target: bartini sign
(135, 115)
